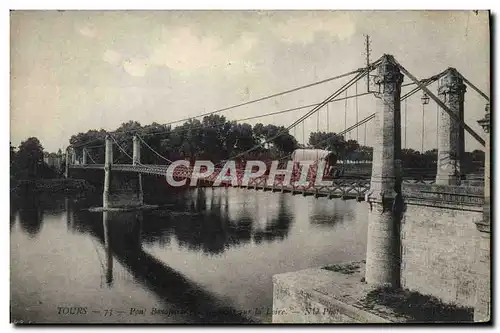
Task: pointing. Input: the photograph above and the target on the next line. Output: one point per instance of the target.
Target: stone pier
(122, 190)
(136, 159)
(108, 161)
(451, 136)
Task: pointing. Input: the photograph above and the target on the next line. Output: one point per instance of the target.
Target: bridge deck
(346, 188)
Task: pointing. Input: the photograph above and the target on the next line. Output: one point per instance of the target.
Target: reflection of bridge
(121, 238)
(386, 192)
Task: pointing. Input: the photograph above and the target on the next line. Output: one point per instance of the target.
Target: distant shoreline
(50, 185)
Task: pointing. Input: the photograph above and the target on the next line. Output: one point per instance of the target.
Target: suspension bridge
(450, 140)
(392, 257)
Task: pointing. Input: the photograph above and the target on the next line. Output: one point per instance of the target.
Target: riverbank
(51, 185)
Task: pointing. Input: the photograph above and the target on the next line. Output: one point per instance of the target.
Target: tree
(13, 169)
(351, 147)
(124, 137)
(279, 141)
(156, 136)
(93, 140)
(329, 141)
(319, 140)
(29, 159)
(366, 153)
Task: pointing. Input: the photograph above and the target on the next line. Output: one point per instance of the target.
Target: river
(206, 255)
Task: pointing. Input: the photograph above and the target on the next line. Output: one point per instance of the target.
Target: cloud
(182, 50)
(111, 57)
(303, 29)
(135, 67)
(87, 31)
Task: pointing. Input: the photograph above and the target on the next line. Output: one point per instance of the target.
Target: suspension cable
(432, 79)
(361, 122)
(308, 114)
(357, 71)
(90, 156)
(346, 130)
(247, 118)
(120, 147)
(263, 115)
(154, 151)
(424, 82)
(238, 120)
(460, 121)
(474, 87)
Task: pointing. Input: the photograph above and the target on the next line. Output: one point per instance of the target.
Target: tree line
(26, 162)
(213, 138)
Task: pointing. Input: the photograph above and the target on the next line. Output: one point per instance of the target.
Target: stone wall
(438, 252)
(321, 296)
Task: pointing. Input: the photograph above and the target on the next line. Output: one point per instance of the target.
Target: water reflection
(277, 228)
(206, 252)
(30, 214)
(13, 213)
(327, 213)
(208, 223)
(122, 239)
(108, 247)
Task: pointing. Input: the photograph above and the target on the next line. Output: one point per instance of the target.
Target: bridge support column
(136, 151)
(66, 168)
(73, 156)
(136, 159)
(482, 309)
(108, 161)
(451, 136)
(84, 156)
(386, 205)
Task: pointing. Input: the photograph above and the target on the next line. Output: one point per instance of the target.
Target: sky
(72, 71)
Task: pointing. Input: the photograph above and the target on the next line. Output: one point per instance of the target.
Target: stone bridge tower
(451, 136)
(384, 219)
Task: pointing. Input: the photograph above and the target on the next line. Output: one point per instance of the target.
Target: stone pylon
(451, 136)
(384, 219)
